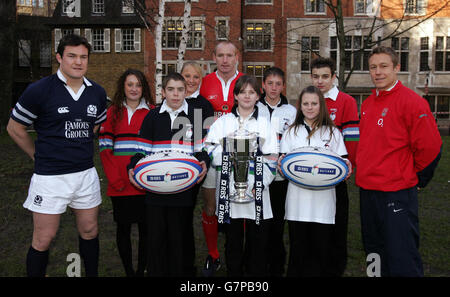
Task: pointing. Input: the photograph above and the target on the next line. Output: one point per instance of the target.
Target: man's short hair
(322, 62)
(225, 42)
(72, 40)
(385, 50)
(273, 71)
(173, 76)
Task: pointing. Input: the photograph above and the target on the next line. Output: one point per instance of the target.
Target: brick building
(256, 26)
(423, 50)
(112, 28)
(284, 33)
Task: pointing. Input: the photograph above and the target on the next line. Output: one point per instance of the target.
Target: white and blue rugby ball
(314, 168)
(167, 172)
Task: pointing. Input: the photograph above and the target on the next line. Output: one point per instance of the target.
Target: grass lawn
(16, 223)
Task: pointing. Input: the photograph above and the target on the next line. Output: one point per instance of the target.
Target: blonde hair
(194, 65)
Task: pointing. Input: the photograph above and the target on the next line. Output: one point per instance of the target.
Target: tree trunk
(158, 48)
(184, 34)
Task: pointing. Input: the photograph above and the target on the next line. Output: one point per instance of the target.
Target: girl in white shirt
(247, 233)
(310, 213)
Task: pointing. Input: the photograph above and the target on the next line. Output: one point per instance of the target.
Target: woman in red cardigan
(118, 139)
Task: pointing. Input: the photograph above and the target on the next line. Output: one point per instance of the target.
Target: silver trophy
(242, 146)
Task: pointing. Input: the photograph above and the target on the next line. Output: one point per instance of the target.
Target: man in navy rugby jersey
(66, 110)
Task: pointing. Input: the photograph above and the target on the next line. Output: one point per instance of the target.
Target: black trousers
(310, 249)
(390, 228)
(246, 244)
(169, 240)
(340, 229)
(277, 251)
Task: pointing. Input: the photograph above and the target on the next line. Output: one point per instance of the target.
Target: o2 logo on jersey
(92, 111)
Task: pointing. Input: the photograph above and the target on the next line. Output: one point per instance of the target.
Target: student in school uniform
(245, 245)
(311, 213)
(168, 216)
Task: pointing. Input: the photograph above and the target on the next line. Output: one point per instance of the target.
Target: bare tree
(396, 22)
(152, 15)
(184, 34)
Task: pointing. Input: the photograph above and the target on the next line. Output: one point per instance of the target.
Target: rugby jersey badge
(92, 110)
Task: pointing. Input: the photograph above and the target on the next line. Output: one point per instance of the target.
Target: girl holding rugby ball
(310, 213)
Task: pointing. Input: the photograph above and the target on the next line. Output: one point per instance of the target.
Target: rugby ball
(314, 168)
(167, 172)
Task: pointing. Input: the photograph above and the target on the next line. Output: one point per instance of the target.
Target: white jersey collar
(332, 93)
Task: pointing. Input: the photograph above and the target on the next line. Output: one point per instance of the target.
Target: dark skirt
(128, 209)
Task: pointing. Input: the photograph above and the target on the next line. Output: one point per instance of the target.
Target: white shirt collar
(226, 84)
(130, 111)
(387, 90)
(195, 94)
(63, 78)
(229, 80)
(165, 107)
(332, 93)
(142, 104)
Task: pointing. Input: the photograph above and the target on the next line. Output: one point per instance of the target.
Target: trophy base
(241, 198)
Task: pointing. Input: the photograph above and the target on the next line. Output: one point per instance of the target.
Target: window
(414, 6)
(363, 7)
(309, 51)
(98, 7)
(98, 40)
(258, 1)
(39, 3)
(357, 52)
(423, 64)
(222, 29)
(71, 7)
(258, 36)
(442, 60)
(126, 40)
(442, 105)
(333, 49)
(257, 70)
(45, 56)
(127, 6)
(359, 99)
(401, 46)
(59, 33)
(172, 30)
(24, 47)
(439, 105)
(167, 68)
(431, 102)
(315, 6)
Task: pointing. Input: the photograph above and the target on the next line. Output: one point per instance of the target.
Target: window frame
(24, 53)
(422, 52)
(128, 9)
(259, 77)
(314, 12)
(401, 51)
(96, 5)
(309, 51)
(445, 50)
(417, 9)
(264, 36)
(47, 46)
(259, 2)
(192, 36)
